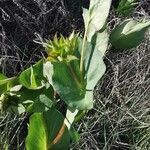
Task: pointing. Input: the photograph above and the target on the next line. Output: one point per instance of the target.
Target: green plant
(71, 69)
(125, 7)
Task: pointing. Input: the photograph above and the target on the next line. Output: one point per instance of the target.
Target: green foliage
(52, 132)
(95, 17)
(24, 99)
(72, 68)
(33, 78)
(126, 7)
(61, 49)
(12, 104)
(6, 83)
(100, 40)
(68, 82)
(129, 34)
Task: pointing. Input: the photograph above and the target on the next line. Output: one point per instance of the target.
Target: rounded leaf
(47, 131)
(32, 78)
(68, 83)
(128, 34)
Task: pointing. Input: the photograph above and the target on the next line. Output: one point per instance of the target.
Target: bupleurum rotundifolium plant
(61, 49)
(72, 68)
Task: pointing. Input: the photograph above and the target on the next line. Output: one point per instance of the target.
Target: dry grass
(121, 116)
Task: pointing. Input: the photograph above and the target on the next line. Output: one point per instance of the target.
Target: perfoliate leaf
(7, 83)
(95, 17)
(94, 66)
(100, 40)
(32, 78)
(68, 83)
(19, 101)
(39, 100)
(47, 131)
(129, 34)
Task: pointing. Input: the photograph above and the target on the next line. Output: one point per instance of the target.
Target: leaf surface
(101, 41)
(95, 17)
(68, 83)
(129, 34)
(7, 83)
(47, 131)
(32, 78)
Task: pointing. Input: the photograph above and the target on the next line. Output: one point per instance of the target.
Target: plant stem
(58, 136)
(74, 76)
(70, 116)
(84, 44)
(82, 50)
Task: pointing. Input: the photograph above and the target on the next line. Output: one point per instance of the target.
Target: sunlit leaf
(94, 66)
(48, 71)
(68, 83)
(100, 40)
(32, 78)
(47, 131)
(95, 17)
(129, 34)
(70, 116)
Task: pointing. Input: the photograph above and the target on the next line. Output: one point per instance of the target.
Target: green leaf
(19, 109)
(94, 66)
(85, 103)
(11, 104)
(68, 83)
(75, 136)
(36, 100)
(32, 78)
(95, 17)
(129, 34)
(100, 40)
(47, 131)
(126, 7)
(7, 83)
(24, 99)
(28, 94)
(43, 102)
(2, 77)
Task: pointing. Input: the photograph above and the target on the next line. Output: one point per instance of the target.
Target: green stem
(58, 136)
(74, 76)
(83, 47)
(82, 51)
